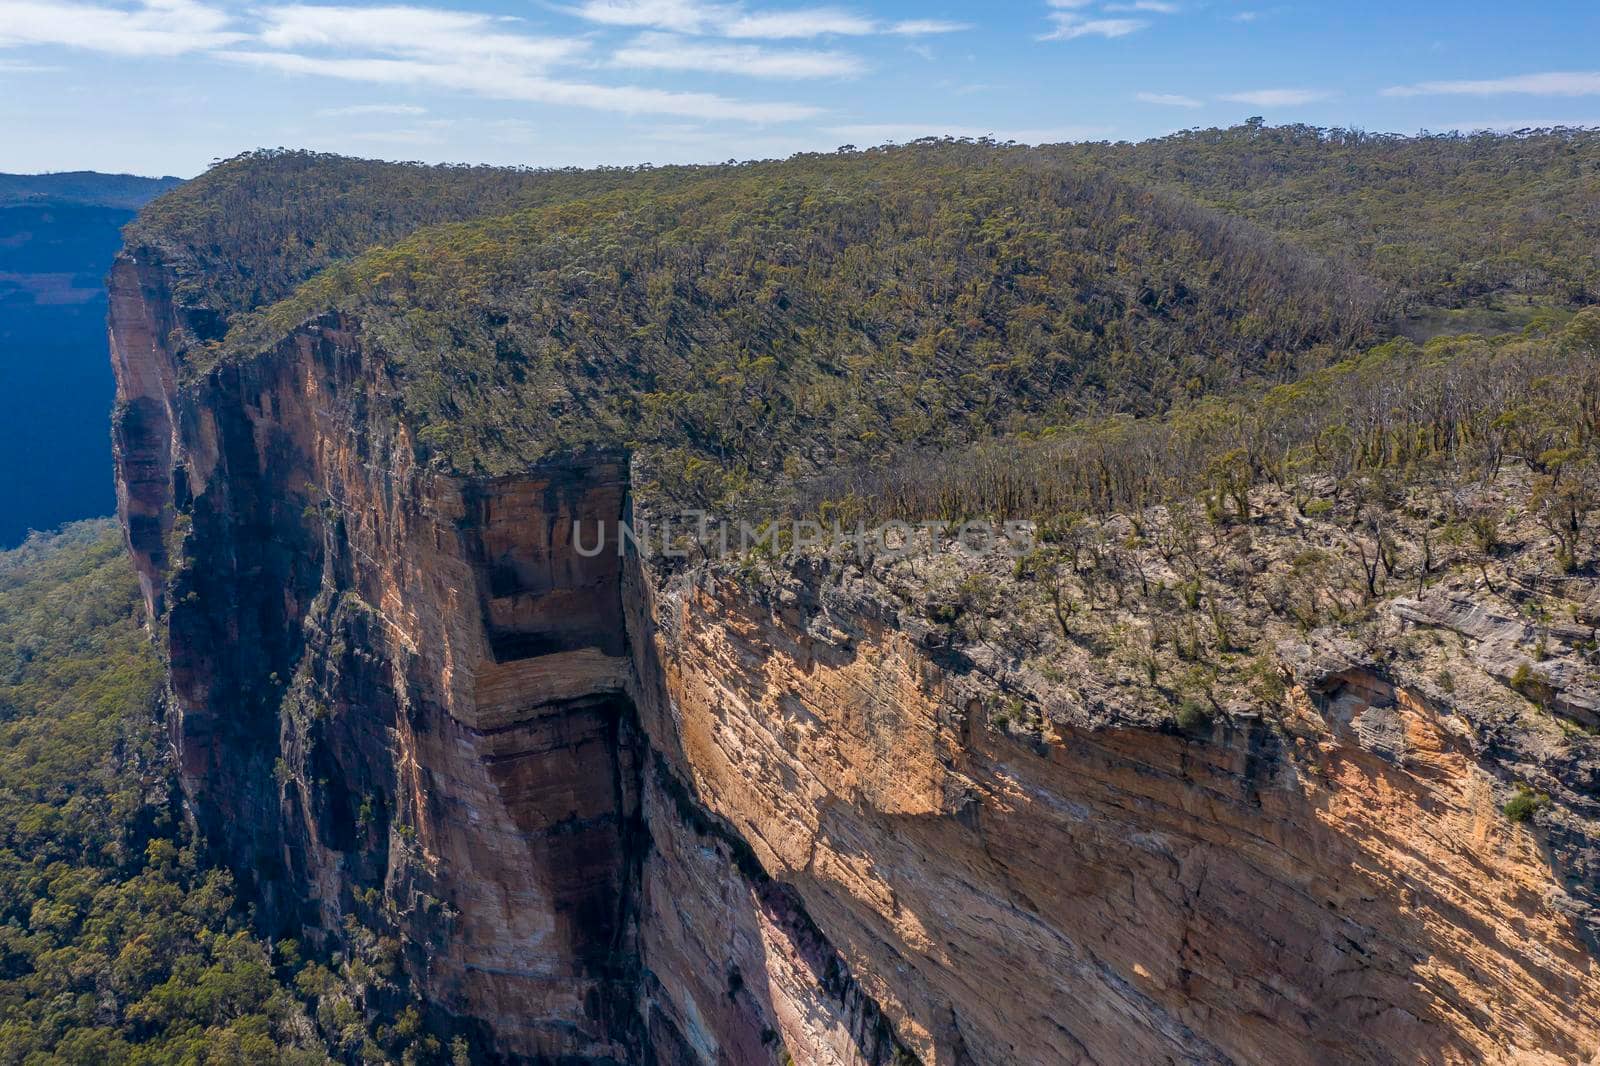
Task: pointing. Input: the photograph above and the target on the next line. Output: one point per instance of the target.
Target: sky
(168, 86)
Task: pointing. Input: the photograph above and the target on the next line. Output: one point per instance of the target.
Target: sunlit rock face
(1113, 893)
(616, 814)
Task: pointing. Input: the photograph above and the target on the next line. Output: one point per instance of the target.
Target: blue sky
(165, 86)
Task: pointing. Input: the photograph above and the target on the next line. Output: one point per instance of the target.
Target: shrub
(1525, 804)
(1194, 716)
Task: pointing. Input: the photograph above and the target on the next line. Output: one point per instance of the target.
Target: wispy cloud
(1573, 83)
(487, 56)
(678, 16)
(1069, 26)
(11, 66)
(1071, 19)
(462, 51)
(150, 28)
(662, 51)
(1167, 99)
(410, 31)
(925, 27)
(787, 25)
(1278, 97)
(1157, 7)
(501, 81)
(371, 109)
(738, 21)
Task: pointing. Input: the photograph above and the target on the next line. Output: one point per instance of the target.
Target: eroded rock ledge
(619, 815)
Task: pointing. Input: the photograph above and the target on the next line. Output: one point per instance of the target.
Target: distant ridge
(128, 191)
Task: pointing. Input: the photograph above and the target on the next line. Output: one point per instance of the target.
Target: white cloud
(1070, 23)
(503, 81)
(150, 28)
(923, 27)
(1278, 97)
(736, 20)
(1167, 99)
(372, 109)
(1578, 83)
(1069, 27)
(793, 24)
(660, 51)
(418, 32)
(678, 16)
(475, 53)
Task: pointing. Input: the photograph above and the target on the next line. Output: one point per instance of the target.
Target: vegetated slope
(1451, 219)
(117, 944)
(250, 229)
(1447, 218)
(816, 311)
(58, 236)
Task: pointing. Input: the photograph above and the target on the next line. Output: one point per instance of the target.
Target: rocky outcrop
(616, 813)
(1497, 644)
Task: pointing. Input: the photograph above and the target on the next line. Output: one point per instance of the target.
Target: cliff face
(617, 815)
(1117, 894)
(385, 680)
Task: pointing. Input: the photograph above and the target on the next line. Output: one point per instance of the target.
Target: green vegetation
(253, 227)
(117, 944)
(1194, 716)
(810, 315)
(1448, 219)
(1525, 804)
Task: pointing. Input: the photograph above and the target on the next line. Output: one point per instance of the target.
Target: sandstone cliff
(619, 812)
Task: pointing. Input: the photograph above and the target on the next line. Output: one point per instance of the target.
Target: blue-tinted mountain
(58, 235)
